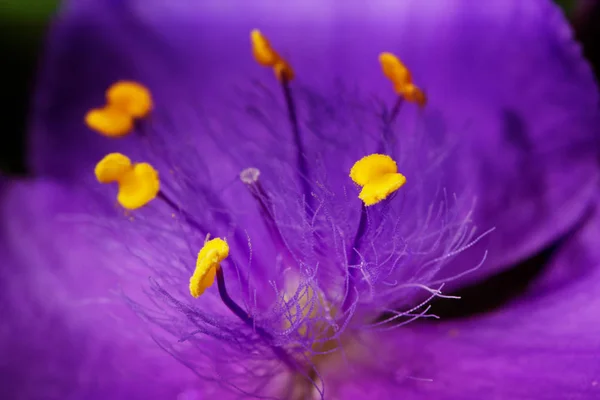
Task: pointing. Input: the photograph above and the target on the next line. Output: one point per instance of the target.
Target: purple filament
(247, 319)
(388, 121)
(302, 167)
(266, 207)
(354, 258)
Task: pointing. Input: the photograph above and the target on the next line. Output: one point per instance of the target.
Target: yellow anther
(395, 70)
(262, 50)
(138, 183)
(370, 167)
(267, 57)
(125, 101)
(112, 167)
(380, 188)
(378, 175)
(401, 78)
(109, 122)
(131, 98)
(209, 260)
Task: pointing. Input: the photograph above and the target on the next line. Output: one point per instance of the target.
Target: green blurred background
(24, 22)
(22, 27)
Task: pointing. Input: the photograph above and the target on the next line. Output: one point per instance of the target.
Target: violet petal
(543, 345)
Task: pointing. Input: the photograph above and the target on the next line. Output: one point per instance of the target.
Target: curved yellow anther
(109, 122)
(209, 260)
(401, 78)
(370, 167)
(267, 57)
(378, 175)
(112, 167)
(131, 98)
(380, 188)
(138, 183)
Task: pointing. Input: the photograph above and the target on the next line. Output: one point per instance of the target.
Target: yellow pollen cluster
(267, 57)
(401, 78)
(378, 176)
(209, 260)
(125, 102)
(138, 183)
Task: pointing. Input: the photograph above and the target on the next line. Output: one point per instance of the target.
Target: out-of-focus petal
(542, 346)
(67, 332)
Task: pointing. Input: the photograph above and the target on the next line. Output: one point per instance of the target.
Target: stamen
(401, 78)
(208, 266)
(266, 56)
(138, 183)
(250, 177)
(378, 175)
(209, 261)
(126, 101)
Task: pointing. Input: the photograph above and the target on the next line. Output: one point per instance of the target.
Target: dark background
(22, 27)
(23, 24)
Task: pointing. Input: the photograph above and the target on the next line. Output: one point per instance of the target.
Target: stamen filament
(250, 178)
(388, 143)
(354, 257)
(266, 56)
(395, 110)
(248, 320)
(298, 143)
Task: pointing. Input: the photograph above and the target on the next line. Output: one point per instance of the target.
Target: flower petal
(543, 345)
(67, 333)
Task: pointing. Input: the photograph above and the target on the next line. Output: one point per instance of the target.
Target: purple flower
(314, 287)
